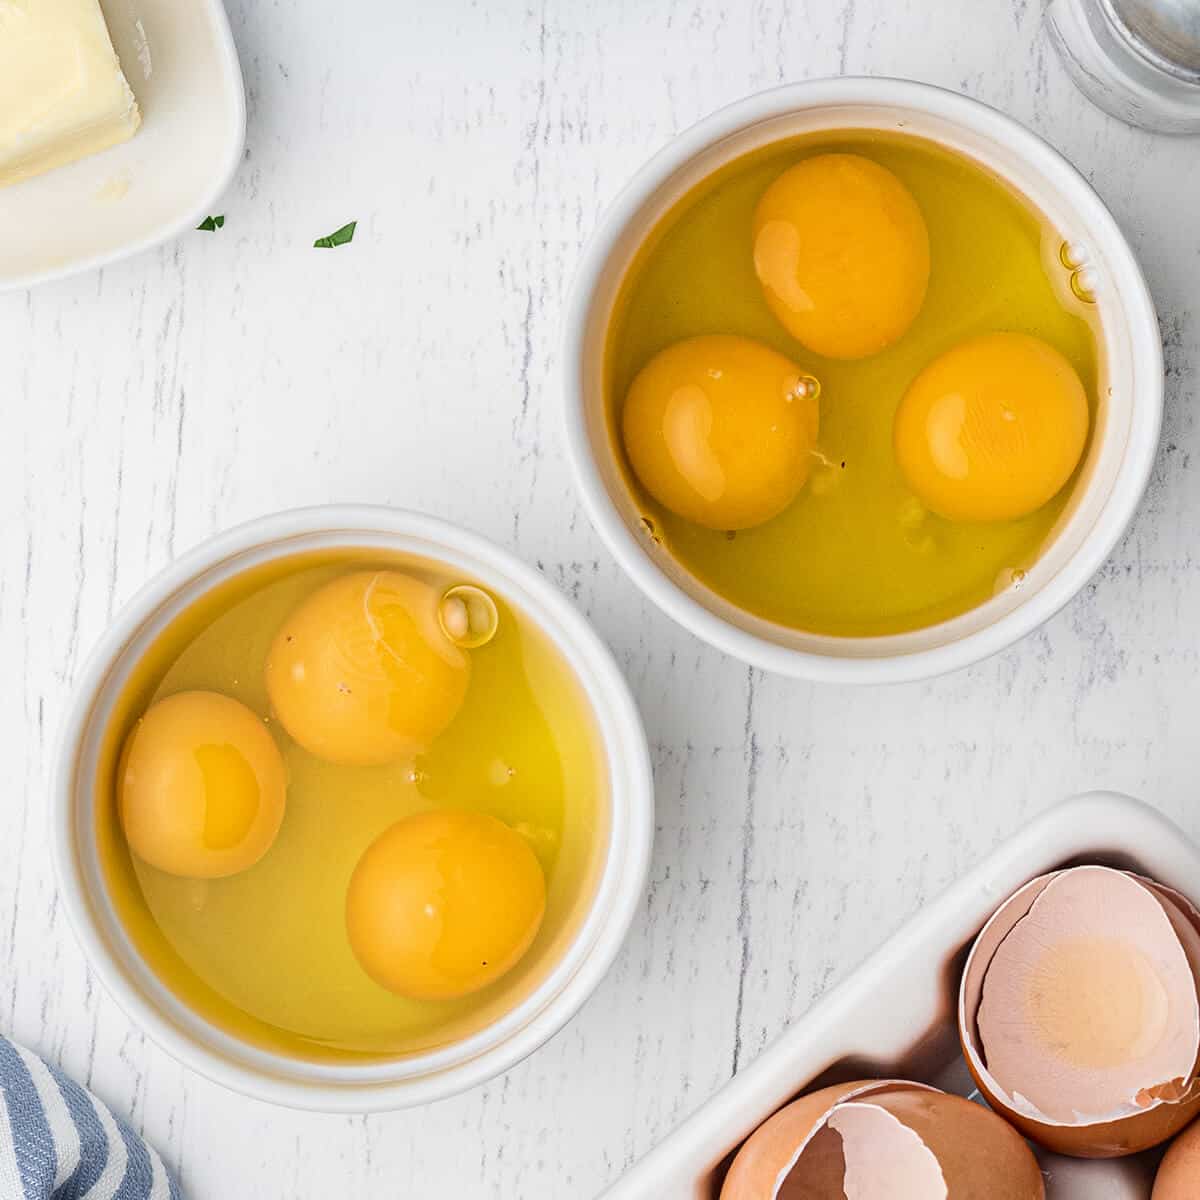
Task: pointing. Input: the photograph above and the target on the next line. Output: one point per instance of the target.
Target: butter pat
(62, 93)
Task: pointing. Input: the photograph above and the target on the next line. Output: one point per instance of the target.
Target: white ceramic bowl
(1121, 453)
(182, 65)
(418, 1078)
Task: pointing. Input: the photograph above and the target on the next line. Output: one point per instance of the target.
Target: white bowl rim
(1145, 414)
(353, 1088)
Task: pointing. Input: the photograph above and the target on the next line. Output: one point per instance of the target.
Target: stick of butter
(62, 92)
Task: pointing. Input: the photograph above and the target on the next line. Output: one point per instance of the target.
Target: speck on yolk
(362, 673)
(444, 903)
(992, 429)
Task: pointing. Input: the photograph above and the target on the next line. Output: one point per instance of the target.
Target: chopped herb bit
(339, 238)
(211, 224)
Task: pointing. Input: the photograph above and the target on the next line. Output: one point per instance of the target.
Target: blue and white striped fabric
(59, 1142)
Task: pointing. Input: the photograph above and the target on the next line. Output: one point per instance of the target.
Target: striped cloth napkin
(59, 1142)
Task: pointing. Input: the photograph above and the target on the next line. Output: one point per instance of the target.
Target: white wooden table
(232, 374)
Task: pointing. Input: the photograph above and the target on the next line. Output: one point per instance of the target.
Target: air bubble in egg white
(468, 616)
(1010, 579)
(1072, 255)
(1083, 284)
(806, 387)
(500, 773)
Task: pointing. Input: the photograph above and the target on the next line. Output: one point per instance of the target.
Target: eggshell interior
(1184, 918)
(1089, 1009)
(1162, 1101)
(1001, 924)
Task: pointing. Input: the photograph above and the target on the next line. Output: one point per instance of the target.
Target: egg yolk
(992, 429)
(720, 430)
(842, 253)
(201, 786)
(444, 903)
(362, 673)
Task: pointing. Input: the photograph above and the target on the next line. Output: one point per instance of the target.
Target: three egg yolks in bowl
(850, 381)
(353, 809)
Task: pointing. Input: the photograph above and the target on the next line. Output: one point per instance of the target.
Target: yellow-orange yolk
(992, 429)
(842, 253)
(362, 673)
(444, 903)
(720, 430)
(201, 786)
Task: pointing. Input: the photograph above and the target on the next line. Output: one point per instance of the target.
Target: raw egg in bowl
(863, 381)
(353, 810)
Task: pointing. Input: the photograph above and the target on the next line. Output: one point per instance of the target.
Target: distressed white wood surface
(237, 373)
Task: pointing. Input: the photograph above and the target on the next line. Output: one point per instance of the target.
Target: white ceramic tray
(895, 1016)
(179, 58)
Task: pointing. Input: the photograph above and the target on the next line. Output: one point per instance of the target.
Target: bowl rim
(1129, 484)
(354, 1088)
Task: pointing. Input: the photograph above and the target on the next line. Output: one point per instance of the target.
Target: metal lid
(1165, 32)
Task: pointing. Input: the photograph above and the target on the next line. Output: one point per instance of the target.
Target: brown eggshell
(1110, 1139)
(1178, 1175)
(980, 1154)
(773, 1146)
(977, 1154)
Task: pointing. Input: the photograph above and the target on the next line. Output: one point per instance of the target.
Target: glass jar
(1137, 59)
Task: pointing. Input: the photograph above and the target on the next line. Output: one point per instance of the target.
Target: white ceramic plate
(179, 58)
(895, 1016)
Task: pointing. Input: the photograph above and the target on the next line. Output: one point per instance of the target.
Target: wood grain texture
(236, 373)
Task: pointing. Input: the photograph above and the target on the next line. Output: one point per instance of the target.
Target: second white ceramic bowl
(1129, 407)
(418, 1078)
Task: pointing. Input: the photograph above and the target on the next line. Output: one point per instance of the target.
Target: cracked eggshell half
(771, 1150)
(1079, 1014)
(903, 1140)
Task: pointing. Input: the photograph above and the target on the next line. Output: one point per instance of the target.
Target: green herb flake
(339, 238)
(211, 224)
